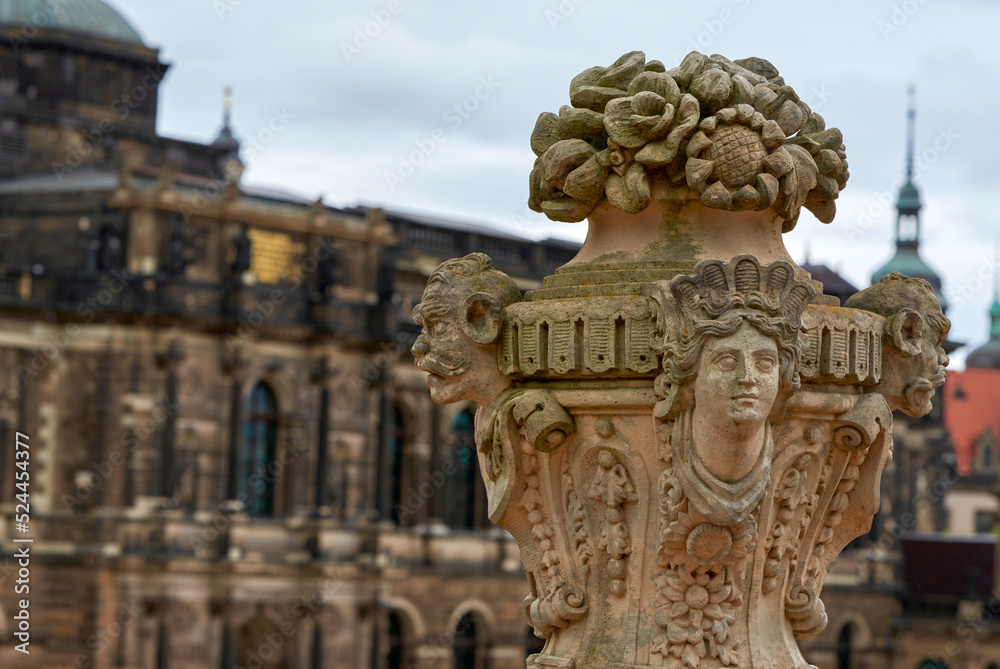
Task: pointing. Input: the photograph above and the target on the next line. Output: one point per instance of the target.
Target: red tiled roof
(971, 405)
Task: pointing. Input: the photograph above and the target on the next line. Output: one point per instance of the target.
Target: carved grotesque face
(921, 369)
(913, 358)
(737, 380)
(456, 347)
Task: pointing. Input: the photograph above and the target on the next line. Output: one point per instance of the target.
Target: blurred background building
(234, 461)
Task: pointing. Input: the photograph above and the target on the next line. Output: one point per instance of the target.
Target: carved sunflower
(734, 161)
(691, 542)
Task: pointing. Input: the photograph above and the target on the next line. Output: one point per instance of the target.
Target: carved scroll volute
(518, 439)
(831, 449)
(872, 421)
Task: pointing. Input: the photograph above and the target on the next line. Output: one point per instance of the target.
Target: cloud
(356, 116)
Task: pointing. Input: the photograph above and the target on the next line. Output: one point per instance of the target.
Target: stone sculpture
(460, 313)
(915, 331)
(242, 252)
(732, 132)
(679, 429)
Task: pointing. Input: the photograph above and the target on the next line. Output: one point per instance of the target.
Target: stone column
(680, 429)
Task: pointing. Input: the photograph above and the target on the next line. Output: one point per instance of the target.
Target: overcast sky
(358, 104)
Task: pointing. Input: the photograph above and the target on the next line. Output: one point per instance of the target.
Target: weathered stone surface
(678, 429)
(648, 115)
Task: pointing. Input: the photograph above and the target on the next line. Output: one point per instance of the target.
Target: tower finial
(227, 105)
(911, 116)
(226, 140)
(995, 307)
(996, 275)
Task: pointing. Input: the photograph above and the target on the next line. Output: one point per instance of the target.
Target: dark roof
(81, 179)
(833, 283)
(460, 226)
(988, 355)
(434, 222)
(106, 179)
(944, 566)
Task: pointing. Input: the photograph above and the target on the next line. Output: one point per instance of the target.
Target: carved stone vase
(679, 429)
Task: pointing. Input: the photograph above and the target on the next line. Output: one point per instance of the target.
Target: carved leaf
(587, 181)
(546, 133)
(582, 124)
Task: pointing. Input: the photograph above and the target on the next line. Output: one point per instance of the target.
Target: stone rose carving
(730, 134)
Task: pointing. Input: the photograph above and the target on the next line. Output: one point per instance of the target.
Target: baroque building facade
(233, 462)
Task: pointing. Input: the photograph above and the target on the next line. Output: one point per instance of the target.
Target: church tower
(907, 259)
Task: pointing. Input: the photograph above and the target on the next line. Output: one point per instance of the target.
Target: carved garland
(782, 542)
(562, 602)
(580, 539)
(803, 607)
(697, 576)
(613, 487)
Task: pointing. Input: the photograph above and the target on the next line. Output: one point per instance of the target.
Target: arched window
(470, 644)
(397, 642)
(260, 437)
(393, 466)
(844, 642)
(317, 647)
(462, 507)
(262, 645)
(932, 664)
(162, 646)
(985, 447)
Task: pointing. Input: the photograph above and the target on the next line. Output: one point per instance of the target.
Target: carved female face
(737, 380)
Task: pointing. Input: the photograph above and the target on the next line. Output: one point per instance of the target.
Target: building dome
(89, 17)
(988, 355)
(907, 261)
(909, 199)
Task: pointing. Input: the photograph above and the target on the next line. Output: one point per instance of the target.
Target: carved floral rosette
(631, 565)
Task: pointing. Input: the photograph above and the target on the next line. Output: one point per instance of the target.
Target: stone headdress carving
(729, 134)
(714, 302)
